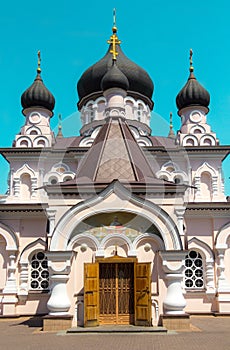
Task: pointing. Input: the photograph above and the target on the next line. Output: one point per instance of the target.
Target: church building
(116, 225)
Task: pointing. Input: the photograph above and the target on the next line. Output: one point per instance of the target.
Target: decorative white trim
(10, 237)
(186, 139)
(207, 137)
(33, 128)
(146, 209)
(41, 138)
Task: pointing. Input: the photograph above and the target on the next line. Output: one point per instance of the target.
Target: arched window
(25, 186)
(194, 270)
(39, 273)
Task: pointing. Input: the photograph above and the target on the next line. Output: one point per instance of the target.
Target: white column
(33, 186)
(11, 287)
(210, 276)
(197, 185)
(11, 182)
(215, 186)
(222, 283)
(180, 221)
(173, 266)
(59, 266)
(51, 217)
(59, 302)
(16, 187)
(24, 276)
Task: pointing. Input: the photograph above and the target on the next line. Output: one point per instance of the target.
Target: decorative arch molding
(205, 167)
(130, 99)
(187, 140)
(10, 237)
(176, 172)
(86, 238)
(141, 140)
(59, 176)
(211, 140)
(100, 99)
(150, 236)
(214, 188)
(113, 198)
(222, 236)
(36, 245)
(208, 262)
(194, 129)
(88, 140)
(25, 169)
(32, 129)
(195, 243)
(38, 139)
(24, 141)
(121, 237)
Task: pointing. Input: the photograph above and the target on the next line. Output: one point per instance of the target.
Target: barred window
(194, 272)
(39, 276)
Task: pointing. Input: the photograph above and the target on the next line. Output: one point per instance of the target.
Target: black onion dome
(37, 95)
(192, 94)
(138, 79)
(114, 78)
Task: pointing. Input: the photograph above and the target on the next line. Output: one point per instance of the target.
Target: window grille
(39, 272)
(194, 271)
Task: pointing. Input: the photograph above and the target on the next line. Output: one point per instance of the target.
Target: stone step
(116, 329)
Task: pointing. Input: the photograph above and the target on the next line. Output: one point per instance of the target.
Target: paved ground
(208, 333)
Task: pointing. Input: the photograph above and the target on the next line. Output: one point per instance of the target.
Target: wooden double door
(117, 291)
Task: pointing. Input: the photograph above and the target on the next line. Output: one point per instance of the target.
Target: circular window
(53, 180)
(35, 118)
(195, 116)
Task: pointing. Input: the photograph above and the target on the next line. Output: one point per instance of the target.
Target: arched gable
(205, 167)
(222, 236)
(38, 244)
(116, 197)
(10, 237)
(195, 243)
(25, 169)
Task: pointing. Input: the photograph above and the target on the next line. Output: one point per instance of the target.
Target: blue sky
(155, 34)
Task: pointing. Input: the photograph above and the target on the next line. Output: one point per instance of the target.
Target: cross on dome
(114, 38)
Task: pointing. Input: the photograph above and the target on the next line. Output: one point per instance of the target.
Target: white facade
(51, 224)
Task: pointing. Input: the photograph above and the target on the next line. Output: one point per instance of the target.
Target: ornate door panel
(116, 293)
(142, 294)
(91, 294)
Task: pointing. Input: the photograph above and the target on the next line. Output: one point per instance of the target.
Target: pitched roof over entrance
(115, 154)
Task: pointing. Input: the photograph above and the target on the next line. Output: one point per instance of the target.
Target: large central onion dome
(193, 93)
(37, 95)
(140, 83)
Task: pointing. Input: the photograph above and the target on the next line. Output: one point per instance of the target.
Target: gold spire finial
(191, 68)
(114, 39)
(39, 62)
(59, 134)
(171, 132)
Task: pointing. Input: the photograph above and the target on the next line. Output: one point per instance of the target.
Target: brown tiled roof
(66, 142)
(115, 154)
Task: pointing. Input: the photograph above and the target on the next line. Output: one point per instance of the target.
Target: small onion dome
(37, 95)
(114, 78)
(193, 93)
(140, 82)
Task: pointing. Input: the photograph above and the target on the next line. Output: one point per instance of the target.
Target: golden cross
(114, 41)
